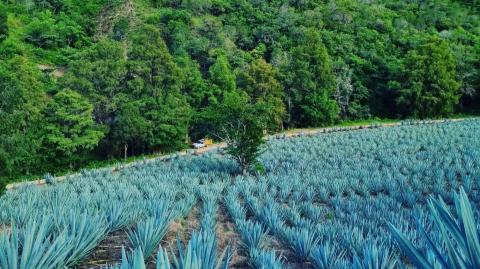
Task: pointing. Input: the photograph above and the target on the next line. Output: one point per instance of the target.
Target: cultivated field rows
(219, 146)
(324, 201)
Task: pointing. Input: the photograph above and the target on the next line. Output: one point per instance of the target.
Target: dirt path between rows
(228, 237)
(108, 252)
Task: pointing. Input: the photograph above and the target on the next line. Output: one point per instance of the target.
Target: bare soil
(109, 251)
(181, 228)
(108, 16)
(227, 236)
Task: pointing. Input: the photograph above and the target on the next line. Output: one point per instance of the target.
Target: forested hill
(86, 79)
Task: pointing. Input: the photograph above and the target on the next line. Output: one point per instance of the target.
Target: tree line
(165, 72)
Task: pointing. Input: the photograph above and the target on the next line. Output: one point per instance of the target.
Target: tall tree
(221, 77)
(259, 81)
(99, 73)
(311, 84)
(195, 88)
(156, 80)
(130, 128)
(429, 88)
(21, 121)
(240, 123)
(70, 131)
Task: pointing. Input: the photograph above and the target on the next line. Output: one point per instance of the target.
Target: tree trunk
(244, 170)
(125, 151)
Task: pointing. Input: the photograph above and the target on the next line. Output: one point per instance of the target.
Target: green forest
(88, 80)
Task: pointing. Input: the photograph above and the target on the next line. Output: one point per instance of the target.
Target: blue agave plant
(263, 259)
(302, 241)
(375, 257)
(459, 235)
(253, 234)
(200, 253)
(84, 232)
(134, 261)
(148, 233)
(31, 247)
(326, 256)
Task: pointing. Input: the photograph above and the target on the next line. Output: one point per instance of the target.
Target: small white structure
(199, 144)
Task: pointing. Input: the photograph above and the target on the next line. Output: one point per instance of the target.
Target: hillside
(82, 81)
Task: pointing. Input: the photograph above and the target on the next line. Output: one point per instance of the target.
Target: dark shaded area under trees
(163, 74)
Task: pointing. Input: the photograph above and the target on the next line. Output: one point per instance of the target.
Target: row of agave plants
(451, 240)
(351, 199)
(200, 251)
(59, 225)
(335, 195)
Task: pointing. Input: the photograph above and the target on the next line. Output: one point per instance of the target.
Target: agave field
(355, 199)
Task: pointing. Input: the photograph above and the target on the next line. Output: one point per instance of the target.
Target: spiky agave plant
(118, 215)
(208, 221)
(32, 247)
(326, 256)
(84, 232)
(148, 233)
(200, 253)
(274, 221)
(459, 235)
(253, 234)
(375, 257)
(302, 241)
(135, 260)
(263, 259)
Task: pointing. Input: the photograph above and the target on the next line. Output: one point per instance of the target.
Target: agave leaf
(124, 264)
(412, 253)
(437, 252)
(162, 259)
(138, 260)
(471, 233)
(226, 257)
(460, 236)
(445, 219)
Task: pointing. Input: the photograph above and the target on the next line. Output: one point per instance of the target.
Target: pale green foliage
(430, 88)
(71, 128)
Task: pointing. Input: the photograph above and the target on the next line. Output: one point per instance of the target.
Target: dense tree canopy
(311, 83)
(89, 79)
(428, 86)
(70, 130)
(259, 81)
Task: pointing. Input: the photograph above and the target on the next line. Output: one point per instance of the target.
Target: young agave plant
(200, 253)
(147, 234)
(83, 232)
(375, 257)
(136, 260)
(327, 256)
(49, 178)
(117, 215)
(458, 234)
(253, 234)
(31, 247)
(302, 241)
(263, 259)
